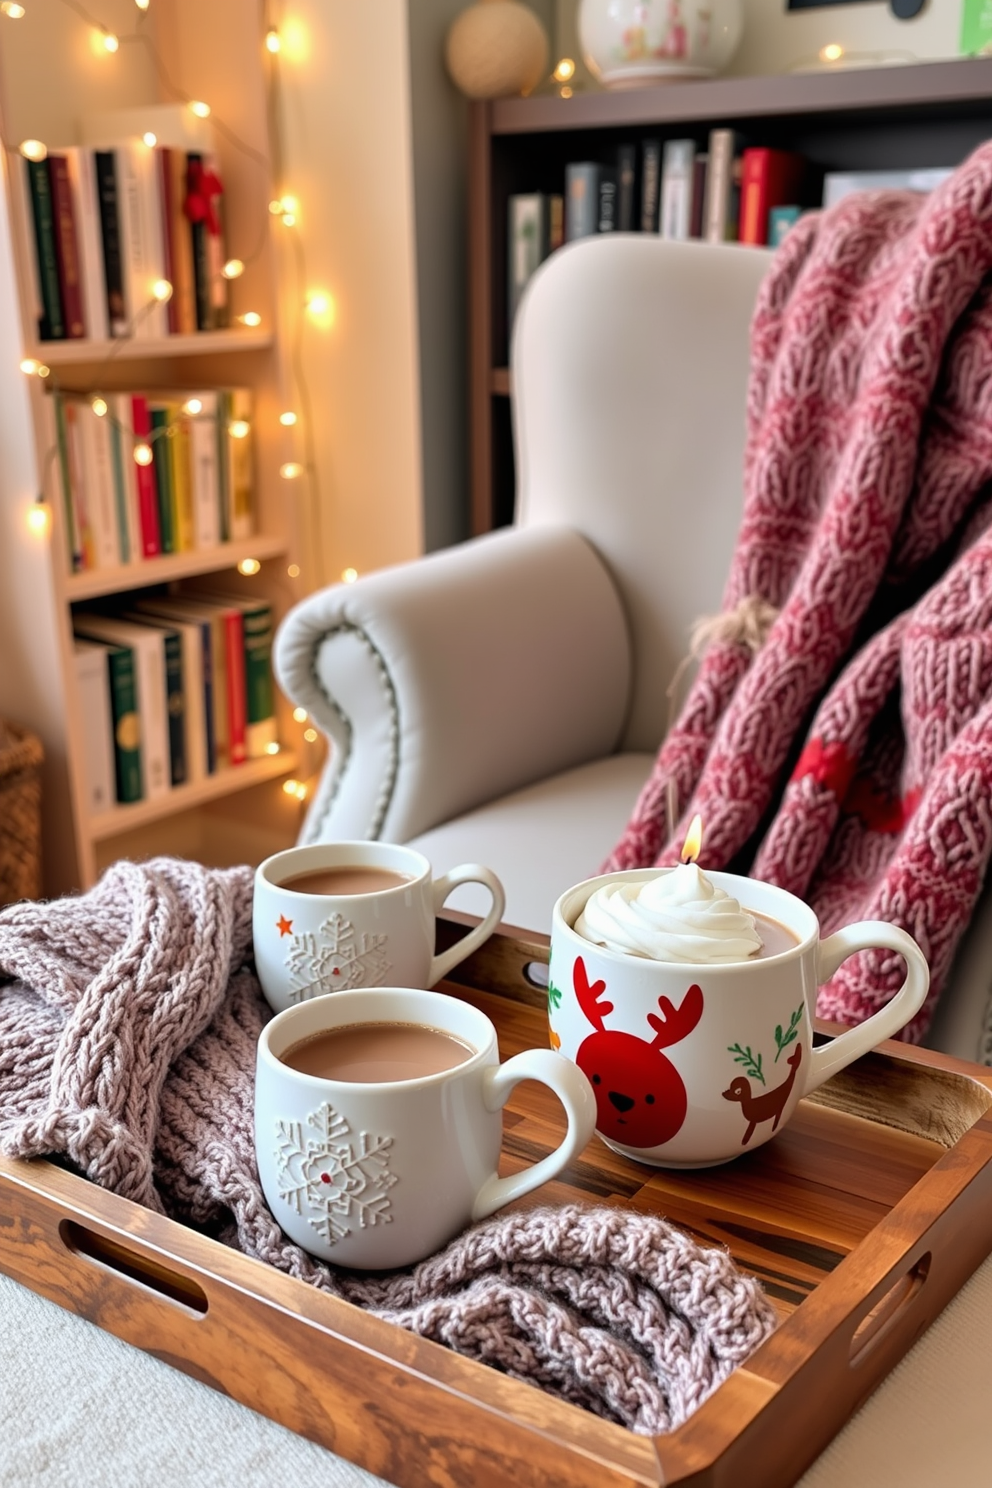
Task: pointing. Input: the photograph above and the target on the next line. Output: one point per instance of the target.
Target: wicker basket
(21, 755)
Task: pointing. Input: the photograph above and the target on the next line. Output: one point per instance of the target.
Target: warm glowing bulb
(693, 840)
(275, 207)
(250, 318)
(301, 792)
(110, 42)
(38, 518)
(565, 92)
(143, 454)
(193, 406)
(288, 419)
(141, 4)
(290, 470)
(162, 290)
(12, 10)
(272, 748)
(318, 304)
(30, 367)
(150, 138)
(33, 149)
(349, 575)
(310, 735)
(301, 715)
(233, 269)
(291, 787)
(201, 110)
(832, 52)
(565, 70)
(288, 219)
(249, 566)
(289, 204)
(239, 428)
(43, 371)
(293, 570)
(99, 407)
(272, 41)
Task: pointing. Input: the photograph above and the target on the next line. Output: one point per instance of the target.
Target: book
(72, 452)
(82, 179)
(195, 204)
(239, 449)
(105, 166)
(838, 184)
(182, 479)
(219, 287)
(159, 416)
(51, 326)
(66, 247)
(142, 241)
(148, 648)
(125, 473)
(195, 628)
(699, 168)
(780, 219)
(581, 200)
(93, 692)
(59, 434)
(144, 477)
(204, 472)
(175, 691)
(209, 615)
(626, 188)
(97, 477)
(650, 184)
(528, 244)
(720, 207)
(608, 191)
(125, 722)
(179, 243)
(257, 632)
(675, 215)
(769, 178)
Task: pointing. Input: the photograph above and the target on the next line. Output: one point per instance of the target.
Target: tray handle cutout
(145, 1270)
(888, 1311)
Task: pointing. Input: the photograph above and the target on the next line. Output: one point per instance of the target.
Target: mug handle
(466, 873)
(575, 1093)
(867, 935)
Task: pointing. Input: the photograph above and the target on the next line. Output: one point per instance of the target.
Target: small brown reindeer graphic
(766, 1107)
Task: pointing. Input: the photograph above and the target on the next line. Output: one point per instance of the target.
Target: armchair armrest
(446, 682)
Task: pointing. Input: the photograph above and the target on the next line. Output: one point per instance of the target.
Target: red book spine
(237, 690)
(66, 246)
(754, 197)
(168, 210)
(151, 533)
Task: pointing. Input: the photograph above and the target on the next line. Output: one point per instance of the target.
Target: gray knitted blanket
(128, 1023)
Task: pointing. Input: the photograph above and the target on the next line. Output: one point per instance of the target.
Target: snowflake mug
(377, 1175)
(308, 944)
(695, 1064)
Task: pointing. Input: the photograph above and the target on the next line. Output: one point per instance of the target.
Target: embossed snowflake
(334, 957)
(334, 1178)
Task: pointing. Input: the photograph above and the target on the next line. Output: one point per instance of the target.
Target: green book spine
(260, 702)
(120, 490)
(176, 703)
(52, 327)
(223, 464)
(65, 478)
(127, 724)
(162, 460)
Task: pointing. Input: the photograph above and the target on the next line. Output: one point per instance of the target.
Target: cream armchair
(503, 700)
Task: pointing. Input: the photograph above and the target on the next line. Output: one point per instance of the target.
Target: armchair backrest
(630, 365)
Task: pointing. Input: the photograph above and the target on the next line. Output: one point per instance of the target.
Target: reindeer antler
(677, 1022)
(589, 996)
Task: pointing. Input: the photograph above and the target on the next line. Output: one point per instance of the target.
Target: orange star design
(283, 925)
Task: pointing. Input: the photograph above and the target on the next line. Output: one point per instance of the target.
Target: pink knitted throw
(869, 441)
(127, 1046)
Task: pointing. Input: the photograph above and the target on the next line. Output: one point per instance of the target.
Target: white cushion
(542, 839)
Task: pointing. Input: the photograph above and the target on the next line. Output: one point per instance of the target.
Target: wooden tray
(861, 1219)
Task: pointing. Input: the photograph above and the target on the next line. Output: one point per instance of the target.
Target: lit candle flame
(693, 840)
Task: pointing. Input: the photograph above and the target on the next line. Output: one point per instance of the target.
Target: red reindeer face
(640, 1098)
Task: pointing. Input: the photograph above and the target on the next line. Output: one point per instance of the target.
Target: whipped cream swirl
(678, 916)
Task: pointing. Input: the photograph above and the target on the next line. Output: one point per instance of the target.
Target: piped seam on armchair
(385, 797)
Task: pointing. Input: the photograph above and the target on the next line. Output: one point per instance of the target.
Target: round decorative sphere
(627, 43)
(497, 48)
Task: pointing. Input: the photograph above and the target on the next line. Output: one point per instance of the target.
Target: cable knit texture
(869, 444)
(127, 1046)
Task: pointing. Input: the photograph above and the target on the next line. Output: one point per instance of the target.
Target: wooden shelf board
(963, 85)
(121, 819)
(131, 349)
(100, 581)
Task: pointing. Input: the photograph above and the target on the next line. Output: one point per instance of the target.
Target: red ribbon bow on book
(202, 186)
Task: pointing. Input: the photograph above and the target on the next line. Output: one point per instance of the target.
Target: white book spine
(93, 689)
(151, 209)
(197, 762)
(99, 487)
(206, 477)
(676, 189)
(82, 178)
(142, 249)
(150, 657)
(120, 409)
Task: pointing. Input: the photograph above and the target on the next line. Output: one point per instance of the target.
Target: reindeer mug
(692, 1065)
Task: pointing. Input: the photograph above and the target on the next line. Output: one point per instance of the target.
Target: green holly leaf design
(745, 1057)
(783, 1040)
(554, 997)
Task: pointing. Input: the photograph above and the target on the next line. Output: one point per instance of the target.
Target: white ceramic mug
(691, 1065)
(378, 1175)
(310, 944)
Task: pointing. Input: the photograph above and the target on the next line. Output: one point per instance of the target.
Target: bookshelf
(210, 49)
(929, 114)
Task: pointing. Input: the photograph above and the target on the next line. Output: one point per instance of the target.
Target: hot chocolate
(377, 1053)
(347, 880)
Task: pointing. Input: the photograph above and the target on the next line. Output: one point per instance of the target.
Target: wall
(777, 41)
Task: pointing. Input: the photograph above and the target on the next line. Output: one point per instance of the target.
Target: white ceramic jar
(629, 43)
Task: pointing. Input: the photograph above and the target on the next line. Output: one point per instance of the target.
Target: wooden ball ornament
(497, 48)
